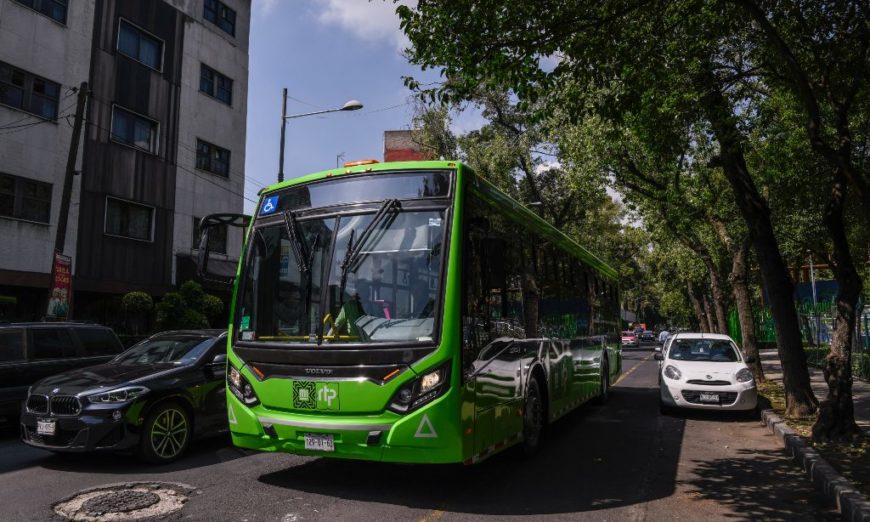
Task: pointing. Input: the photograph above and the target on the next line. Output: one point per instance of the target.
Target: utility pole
(66, 195)
(283, 127)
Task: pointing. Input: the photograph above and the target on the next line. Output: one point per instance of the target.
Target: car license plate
(319, 442)
(709, 397)
(45, 427)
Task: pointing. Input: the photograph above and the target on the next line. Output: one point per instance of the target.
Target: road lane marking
(633, 368)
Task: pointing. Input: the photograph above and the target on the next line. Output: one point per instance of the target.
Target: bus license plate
(709, 397)
(45, 427)
(319, 442)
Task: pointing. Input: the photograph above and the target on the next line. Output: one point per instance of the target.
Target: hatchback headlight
(744, 375)
(671, 372)
(127, 393)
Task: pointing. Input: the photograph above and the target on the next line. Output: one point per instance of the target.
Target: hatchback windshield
(177, 350)
(715, 350)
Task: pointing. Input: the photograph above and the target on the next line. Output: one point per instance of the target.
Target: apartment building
(163, 143)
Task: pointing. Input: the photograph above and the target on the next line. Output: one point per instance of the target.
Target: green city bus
(410, 312)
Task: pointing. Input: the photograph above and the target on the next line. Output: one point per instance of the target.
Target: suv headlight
(127, 393)
(671, 372)
(744, 375)
(422, 390)
(241, 388)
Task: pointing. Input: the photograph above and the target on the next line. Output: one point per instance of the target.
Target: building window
(23, 198)
(222, 16)
(212, 158)
(130, 220)
(28, 92)
(140, 45)
(217, 238)
(216, 84)
(54, 9)
(136, 131)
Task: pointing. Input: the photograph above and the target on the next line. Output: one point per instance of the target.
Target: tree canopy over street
(736, 132)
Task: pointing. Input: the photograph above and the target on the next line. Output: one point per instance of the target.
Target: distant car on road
(153, 399)
(629, 338)
(647, 336)
(32, 351)
(704, 371)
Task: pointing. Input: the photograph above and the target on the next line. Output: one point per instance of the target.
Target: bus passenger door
(497, 392)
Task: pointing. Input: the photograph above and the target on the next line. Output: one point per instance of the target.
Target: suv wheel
(165, 434)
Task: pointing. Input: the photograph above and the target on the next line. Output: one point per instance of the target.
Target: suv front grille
(65, 405)
(37, 404)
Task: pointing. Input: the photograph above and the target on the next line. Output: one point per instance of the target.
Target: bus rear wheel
(533, 418)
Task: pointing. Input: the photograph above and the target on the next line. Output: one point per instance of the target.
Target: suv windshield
(311, 290)
(715, 350)
(177, 350)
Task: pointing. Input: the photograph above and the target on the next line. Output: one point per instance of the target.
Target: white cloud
(370, 21)
(264, 7)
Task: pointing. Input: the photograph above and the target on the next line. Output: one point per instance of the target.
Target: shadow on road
(15, 455)
(753, 487)
(599, 457)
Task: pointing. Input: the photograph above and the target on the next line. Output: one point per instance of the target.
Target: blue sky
(325, 52)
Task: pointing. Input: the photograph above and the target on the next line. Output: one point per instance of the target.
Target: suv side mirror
(205, 226)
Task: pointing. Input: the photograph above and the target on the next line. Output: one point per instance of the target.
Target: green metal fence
(816, 324)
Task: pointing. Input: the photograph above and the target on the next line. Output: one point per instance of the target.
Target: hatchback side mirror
(658, 356)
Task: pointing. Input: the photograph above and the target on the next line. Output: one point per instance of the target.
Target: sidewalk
(860, 389)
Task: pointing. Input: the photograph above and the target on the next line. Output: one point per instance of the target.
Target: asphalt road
(619, 461)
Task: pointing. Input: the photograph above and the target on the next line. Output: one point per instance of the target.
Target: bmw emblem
(54, 391)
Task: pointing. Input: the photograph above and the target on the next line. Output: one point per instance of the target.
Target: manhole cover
(120, 501)
(127, 501)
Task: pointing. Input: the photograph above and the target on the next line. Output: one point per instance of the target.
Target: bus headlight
(241, 388)
(422, 390)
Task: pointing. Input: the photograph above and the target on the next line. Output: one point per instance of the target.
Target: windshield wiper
(390, 208)
(296, 243)
(354, 250)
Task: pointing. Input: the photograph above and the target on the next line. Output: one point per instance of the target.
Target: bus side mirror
(205, 225)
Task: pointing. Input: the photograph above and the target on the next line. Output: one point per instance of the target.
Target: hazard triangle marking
(426, 424)
(231, 415)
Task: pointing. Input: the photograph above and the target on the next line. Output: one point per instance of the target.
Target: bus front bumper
(428, 435)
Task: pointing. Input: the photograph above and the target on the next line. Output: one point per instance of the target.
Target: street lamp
(351, 105)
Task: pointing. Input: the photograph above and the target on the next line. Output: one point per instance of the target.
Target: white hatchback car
(704, 371)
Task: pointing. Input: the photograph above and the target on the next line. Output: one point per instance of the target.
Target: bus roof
(519, 212)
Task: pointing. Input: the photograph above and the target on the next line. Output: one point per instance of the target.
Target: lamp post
(351, 105)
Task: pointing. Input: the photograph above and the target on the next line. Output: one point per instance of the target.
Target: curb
(851, 504)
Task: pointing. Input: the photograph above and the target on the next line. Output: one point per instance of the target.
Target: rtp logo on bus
(309, 395)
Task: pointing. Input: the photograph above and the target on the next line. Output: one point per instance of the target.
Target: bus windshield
(365, 278)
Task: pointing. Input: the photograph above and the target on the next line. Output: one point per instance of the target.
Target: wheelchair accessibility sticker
(269, 206)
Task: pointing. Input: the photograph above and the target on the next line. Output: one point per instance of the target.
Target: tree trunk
(696, 306)
(712, 325)
(743, 301)
(836, 420)
(720, 301)
(799, 398)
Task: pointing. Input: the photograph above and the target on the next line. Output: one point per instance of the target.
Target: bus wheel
(533, 419)
(165, 434)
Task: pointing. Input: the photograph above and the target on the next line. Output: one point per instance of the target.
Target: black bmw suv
(153, 399)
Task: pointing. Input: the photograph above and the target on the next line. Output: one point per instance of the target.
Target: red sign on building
(61, 287)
